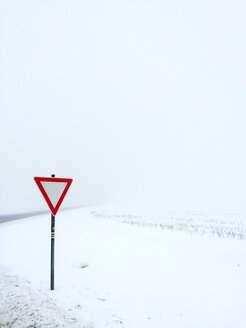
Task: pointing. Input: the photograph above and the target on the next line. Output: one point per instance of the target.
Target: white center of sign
(54, 190)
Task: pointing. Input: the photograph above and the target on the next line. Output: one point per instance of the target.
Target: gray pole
(52, 267)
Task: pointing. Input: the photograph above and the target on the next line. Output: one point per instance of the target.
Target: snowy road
(12, 217)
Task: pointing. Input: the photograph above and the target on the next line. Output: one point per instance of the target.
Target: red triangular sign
(54, 190)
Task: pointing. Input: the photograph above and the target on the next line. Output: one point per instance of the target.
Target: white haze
(137, 101)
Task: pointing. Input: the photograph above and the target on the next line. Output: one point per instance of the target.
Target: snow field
(110, 274)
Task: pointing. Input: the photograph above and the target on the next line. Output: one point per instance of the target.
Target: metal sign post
(52, 263)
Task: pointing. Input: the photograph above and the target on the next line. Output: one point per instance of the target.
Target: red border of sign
(52, 208)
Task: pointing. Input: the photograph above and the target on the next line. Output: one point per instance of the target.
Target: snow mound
(22, 307)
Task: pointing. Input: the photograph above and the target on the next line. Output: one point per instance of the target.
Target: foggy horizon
(139, 102)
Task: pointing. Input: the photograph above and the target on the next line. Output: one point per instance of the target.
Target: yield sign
(54, 190)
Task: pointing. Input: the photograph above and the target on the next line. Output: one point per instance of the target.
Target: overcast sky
(134, 100)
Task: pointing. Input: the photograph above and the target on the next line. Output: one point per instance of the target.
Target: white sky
(134, 100)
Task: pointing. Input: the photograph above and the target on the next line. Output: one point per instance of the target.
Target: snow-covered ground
(147, 273)
(227, 224)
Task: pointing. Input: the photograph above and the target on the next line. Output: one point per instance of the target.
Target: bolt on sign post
(54, 191)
